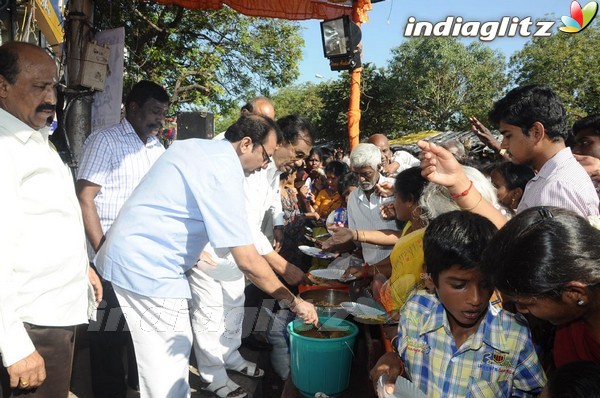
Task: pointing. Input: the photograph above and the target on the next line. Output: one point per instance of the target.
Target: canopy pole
(354, 103)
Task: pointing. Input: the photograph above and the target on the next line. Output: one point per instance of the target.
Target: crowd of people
(490, 269)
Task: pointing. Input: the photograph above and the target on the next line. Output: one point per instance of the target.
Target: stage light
(341, 43)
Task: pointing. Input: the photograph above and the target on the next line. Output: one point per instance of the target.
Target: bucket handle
(350, 348)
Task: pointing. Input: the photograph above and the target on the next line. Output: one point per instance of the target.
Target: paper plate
(328, 273)
(362, 310)
(316, 252)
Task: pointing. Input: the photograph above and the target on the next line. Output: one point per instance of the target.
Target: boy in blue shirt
(452, 342)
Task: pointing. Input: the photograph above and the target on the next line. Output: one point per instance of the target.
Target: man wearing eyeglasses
(217, 283)
(192, 195)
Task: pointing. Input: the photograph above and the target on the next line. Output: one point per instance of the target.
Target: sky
(388, 19)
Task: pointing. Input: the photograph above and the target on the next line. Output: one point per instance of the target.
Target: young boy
(452, 342)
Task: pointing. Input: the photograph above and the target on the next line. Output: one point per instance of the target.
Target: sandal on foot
(249, 369)
(227, 390)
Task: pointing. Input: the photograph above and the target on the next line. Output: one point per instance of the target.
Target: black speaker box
(195, 125)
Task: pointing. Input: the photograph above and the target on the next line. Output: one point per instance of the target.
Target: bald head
(261, 106)
(381, 142)
(28, 80)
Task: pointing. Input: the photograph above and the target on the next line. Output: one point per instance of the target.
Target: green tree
(438, 82)
(214, 58)
(569, 63)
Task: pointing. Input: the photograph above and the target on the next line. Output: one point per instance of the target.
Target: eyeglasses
(266, 157)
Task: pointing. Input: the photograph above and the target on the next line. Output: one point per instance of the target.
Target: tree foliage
(439, 82)
(568, 63)
(204, 57)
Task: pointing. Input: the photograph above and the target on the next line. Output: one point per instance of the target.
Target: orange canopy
(284, 9)
(294, 10)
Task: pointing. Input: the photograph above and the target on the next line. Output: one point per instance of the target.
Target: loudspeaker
(195, 125)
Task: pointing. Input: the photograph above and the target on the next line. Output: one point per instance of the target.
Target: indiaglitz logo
(580, 17)
(454, 26)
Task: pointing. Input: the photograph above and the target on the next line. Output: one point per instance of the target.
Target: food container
(327, 301)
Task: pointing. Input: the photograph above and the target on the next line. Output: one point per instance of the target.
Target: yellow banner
(48, 22)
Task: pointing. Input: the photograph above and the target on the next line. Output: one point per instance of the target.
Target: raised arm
(439, 166)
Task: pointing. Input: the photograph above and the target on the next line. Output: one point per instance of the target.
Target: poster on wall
(106, 109)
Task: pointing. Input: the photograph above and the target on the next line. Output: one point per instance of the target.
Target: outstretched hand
(439, 165)
(340, 236)
(390, 364)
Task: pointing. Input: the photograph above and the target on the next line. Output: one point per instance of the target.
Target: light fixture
(341, 43)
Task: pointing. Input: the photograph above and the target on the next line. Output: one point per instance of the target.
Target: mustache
(46, 107)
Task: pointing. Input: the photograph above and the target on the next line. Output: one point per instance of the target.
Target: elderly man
(364, 204)
(43, 260)
(160, 233)
(392, 163)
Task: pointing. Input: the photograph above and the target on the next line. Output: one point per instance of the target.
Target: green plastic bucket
(321, 365)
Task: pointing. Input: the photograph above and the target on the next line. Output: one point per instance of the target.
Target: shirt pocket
(487, 389)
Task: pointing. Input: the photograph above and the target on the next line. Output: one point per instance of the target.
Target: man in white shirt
(364, 203)
(43, 260)
(218, 288)
(114, 161)
(192, 195)
(532, 121)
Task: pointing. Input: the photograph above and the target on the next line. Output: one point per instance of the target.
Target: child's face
(347, 193)
(332, 181)
(554, 310)
(504, 194)
(465, 295)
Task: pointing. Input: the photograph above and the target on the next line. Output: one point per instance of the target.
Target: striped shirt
(363, 214)
(116, 159)
(561, 182)
(499, 360)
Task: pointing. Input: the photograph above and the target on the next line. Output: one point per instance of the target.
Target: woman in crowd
(417, 203)
(510, 179)
(293, 220)
(328, 198)
(547, 261)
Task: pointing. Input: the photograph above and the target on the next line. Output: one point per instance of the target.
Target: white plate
(327, 273)
(358, 309)
(316, 252)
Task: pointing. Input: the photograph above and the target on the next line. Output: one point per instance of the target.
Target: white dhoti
(217, 315)
(162, 338)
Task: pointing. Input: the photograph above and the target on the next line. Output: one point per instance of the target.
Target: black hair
(525, 105)
(540, 250)
(326, 154)
(580, 379)
(337, 168)
(143, 90)
(349, 180)
(456, 238)
(295, 128)
(255, 126)
(591, 122)
(9, 59)
(515, 175)
(409, 184)
(316, 151)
